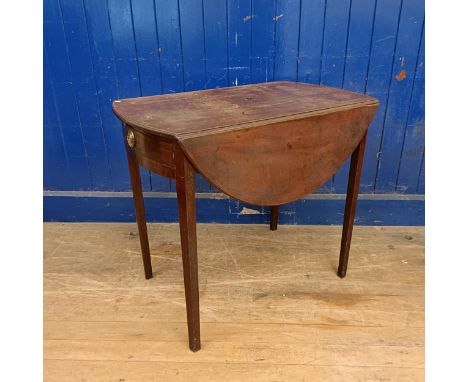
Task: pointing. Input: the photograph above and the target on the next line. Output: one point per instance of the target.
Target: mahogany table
(264, 144)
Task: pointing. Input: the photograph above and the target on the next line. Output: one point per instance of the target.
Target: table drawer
(154, 153)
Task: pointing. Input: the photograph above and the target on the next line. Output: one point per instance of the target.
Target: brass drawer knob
(131, 140)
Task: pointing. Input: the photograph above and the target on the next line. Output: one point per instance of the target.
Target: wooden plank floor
(272, 307)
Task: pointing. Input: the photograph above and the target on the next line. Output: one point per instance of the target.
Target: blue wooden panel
(149, 68)
(147, 47)
(387, 16)
(422, 182)
(50, 115)
(123, 43)
(288, 15)
(96, 51)
(310, 41)
(193, 44)
(305, 211)
(86, 93)
(61, 84)
(361, 23)
(404, 68)
(239, 41)
(263, 40)
(54, 161)
(167, 16)
(335, 39)
(413, 148)
(216, 46)
(127, 66)
(102, 53)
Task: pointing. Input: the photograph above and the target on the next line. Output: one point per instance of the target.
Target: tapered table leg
(139, 211)
(350, 208)
(274, 217)
(185, 185)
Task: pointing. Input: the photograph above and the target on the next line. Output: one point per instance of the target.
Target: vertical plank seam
(204, 42)
(113, 51)
(323, 39)
(104, 137)
(251, 42)
(369, 55)
(298, 54)
(181, 46)
(346, 44)
(421, 167)
(135, 48)
(159, 46)
(67, 49)
(321, 57)
(138, 74)
(156, 30)
(228, 70)
(116, 72)
(333, 186)
(410, 106)
(275, 48)
(160, 61)
(60, 123)
(388, 96)
(227, 43)
(205, 83)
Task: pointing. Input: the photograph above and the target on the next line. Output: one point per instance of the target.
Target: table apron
(153, 153)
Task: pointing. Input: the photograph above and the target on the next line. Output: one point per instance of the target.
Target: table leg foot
(350, 208)
(274, 217)
(140, 212)
(185, 185)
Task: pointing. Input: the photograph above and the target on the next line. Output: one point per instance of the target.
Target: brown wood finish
(270, 311)
(281, 162)
(350, 207)
(185, 185)
(209, 111)
(265, 144)
(274, 210)
(135, 180)
(154, 153)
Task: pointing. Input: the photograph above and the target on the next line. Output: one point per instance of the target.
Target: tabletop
(264, 144)
(203, 112)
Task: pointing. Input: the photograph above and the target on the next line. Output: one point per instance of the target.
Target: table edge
(371, 102)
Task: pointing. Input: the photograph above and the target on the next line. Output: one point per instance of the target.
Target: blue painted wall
(96, 51)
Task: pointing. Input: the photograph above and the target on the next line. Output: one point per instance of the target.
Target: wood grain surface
(272, 308)
(278, 163)
(264, 144)
(201, 112)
